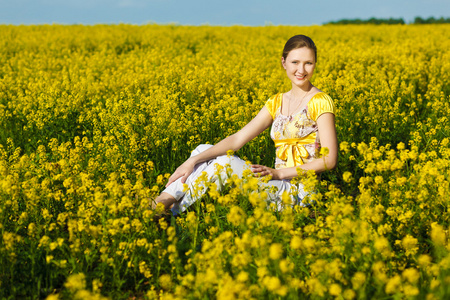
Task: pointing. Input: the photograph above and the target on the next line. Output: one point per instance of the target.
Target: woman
(302, 122)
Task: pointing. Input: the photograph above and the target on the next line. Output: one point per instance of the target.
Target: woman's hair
(299, 41)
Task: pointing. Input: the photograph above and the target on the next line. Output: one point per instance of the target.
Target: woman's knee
(200, 148)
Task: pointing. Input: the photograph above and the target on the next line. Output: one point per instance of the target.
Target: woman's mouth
(300, 77)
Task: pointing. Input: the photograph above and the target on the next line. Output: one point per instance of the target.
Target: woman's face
(299, 65)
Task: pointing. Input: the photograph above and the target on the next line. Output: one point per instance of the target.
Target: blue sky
(213, 12)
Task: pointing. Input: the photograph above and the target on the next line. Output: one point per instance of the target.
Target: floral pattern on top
(301, 125)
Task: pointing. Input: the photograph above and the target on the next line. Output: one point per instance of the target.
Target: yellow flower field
(94, 119)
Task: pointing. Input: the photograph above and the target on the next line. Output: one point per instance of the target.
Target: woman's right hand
(183, 171)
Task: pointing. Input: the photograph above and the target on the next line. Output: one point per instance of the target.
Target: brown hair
(299, 41)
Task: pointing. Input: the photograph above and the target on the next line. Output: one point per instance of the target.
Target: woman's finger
(184, 178)
(169, 181)
(172, 178)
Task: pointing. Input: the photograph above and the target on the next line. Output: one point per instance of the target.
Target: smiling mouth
(300, 77)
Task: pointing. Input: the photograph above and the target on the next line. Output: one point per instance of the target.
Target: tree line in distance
(417, 20)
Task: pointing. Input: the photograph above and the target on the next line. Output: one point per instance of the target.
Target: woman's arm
(233, 142)
(328, 139)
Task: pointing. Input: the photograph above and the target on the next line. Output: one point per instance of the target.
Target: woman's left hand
(261, 171)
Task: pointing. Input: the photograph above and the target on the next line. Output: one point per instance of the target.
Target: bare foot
(165, 199)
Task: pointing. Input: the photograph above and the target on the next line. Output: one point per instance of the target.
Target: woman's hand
(261, 171)
(182, 171)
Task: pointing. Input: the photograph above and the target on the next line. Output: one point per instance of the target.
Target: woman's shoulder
(274, 103)
(319, 97)
(320, 103)
(276, 97)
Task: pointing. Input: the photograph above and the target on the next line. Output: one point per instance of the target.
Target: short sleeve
(273, 103)
(320, 103)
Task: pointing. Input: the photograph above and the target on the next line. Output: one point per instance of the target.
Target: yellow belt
(293, 150)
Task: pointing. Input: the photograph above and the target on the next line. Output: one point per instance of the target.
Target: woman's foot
(165, 199)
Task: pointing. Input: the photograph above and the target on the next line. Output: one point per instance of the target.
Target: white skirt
(274, 188)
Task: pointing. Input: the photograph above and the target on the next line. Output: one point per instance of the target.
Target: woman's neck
(299, 92)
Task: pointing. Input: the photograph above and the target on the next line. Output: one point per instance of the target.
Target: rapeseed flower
(275, 251)
(96, 118)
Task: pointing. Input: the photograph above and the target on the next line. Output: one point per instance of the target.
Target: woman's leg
(197, 186)
(175, 191)
(178, 199)
(164, 198)
(276, 188)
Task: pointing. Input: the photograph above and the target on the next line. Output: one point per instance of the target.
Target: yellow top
(296, 139)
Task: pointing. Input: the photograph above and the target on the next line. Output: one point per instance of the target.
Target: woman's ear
(283, 62)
